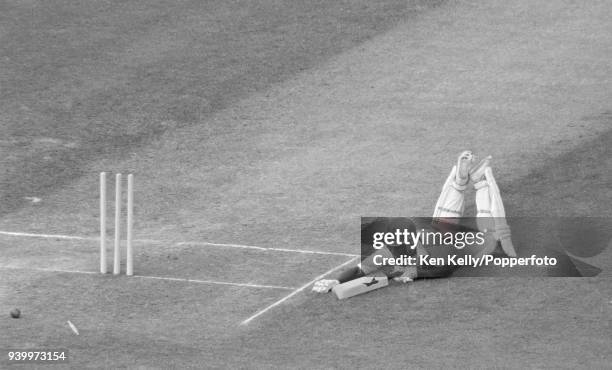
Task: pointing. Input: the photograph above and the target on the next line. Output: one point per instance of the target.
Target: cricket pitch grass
(260, 131)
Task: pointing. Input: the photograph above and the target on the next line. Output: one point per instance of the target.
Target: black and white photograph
(283, 184)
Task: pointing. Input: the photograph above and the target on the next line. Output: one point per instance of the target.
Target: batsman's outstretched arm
(405, 275)
(326, 285)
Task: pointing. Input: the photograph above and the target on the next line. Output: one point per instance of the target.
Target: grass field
(259, 132)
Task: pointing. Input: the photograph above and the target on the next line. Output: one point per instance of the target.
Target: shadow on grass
(110, 77)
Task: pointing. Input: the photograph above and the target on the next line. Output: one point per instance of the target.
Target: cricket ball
(15, 313)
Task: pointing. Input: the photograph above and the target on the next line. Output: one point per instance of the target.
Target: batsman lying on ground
(490, 220)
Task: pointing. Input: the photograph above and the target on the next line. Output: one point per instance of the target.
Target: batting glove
(324, 286)
(402, 279)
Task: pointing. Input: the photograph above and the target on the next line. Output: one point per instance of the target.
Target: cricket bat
(359, 286)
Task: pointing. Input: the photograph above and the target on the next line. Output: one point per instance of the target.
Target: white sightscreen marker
(117, 250)
(103, 268)
(130, 223)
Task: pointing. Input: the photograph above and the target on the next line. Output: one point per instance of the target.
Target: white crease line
(48, 236)
(47, 270)
(215, 282)
(207, 244)
(75, 237)
(153, 277)
(304, 251)
(296, 291)
(313, 252)
(68, 237)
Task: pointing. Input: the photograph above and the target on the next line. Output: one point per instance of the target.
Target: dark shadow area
(103, 78)
(577, 183)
